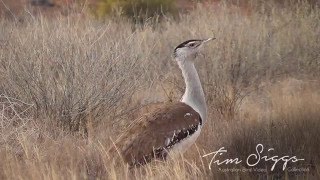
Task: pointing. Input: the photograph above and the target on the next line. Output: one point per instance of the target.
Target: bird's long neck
(194, 95)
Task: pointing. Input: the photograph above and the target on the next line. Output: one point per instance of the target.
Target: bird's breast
(185, 143)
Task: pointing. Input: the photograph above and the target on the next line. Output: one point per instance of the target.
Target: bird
(173, 127)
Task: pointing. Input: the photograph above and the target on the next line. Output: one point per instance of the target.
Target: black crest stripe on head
(184, 43)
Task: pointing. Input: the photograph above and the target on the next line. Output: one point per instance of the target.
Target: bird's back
(154, 134)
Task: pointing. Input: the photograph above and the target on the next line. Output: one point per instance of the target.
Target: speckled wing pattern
(151, 136)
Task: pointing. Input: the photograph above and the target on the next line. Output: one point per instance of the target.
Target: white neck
(194, 95)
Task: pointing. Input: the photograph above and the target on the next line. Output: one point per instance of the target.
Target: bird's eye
(192, 44)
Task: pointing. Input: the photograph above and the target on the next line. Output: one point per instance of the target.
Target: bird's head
(188, 50)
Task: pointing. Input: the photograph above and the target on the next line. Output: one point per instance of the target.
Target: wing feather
(147, 138)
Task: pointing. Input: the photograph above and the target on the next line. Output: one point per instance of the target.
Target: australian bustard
(171, 128)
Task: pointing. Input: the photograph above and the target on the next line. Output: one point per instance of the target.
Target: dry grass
(71, 84)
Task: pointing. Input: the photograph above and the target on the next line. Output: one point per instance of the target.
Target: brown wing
(152, 135)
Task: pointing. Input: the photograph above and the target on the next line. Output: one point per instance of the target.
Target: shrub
(136, 9)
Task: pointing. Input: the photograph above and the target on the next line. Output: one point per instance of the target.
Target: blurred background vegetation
(136, 9)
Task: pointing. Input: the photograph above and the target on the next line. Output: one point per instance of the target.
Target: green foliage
(136, 9)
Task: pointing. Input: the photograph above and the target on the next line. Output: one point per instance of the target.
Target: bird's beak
(207, 40)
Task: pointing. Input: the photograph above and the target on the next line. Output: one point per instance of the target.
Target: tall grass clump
(67, 69)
